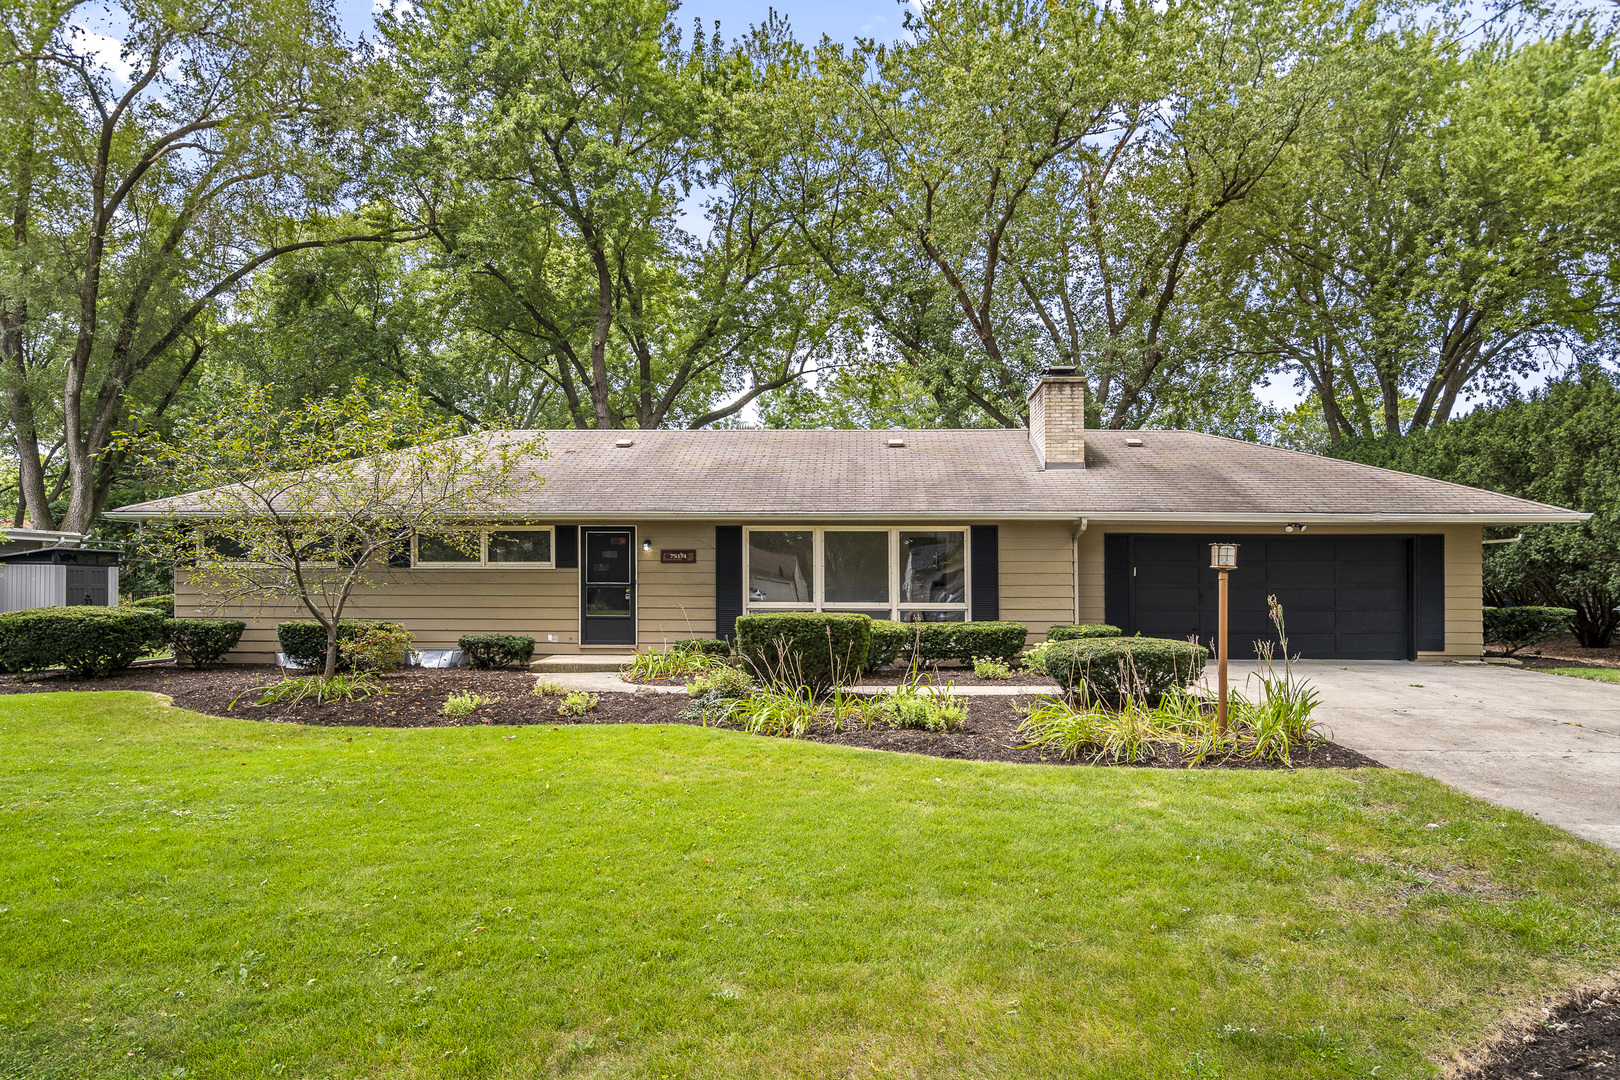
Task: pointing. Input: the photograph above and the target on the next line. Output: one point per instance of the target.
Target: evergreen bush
(303, 641)
(201, 642)
(1113, 671)
(1514, 628)
(1076, 631)
(485, 651)
(812, 649)
(90, 642)
(966, 641)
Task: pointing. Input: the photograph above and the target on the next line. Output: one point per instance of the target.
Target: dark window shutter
(1117, 581)
(567, 547)
(1431, 593)
(986, 554)
(728, 582)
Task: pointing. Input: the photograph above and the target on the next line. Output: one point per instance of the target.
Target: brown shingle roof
(968, 474)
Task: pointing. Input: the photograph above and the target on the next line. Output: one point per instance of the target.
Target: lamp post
(1222, 557)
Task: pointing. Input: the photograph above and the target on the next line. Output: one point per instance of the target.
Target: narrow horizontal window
(514, 547)
(520, 546)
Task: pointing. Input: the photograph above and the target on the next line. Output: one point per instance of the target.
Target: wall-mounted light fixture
(1293, 527)
(646, 545)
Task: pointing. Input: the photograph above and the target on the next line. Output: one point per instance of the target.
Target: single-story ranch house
(640, 538)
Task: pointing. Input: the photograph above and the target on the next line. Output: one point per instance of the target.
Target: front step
(570, 662)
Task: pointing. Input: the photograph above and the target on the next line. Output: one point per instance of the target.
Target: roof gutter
(1539, 517)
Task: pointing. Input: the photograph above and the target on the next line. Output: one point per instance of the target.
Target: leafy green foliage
(814, 650)
(1515, 628)
(918, 708)
(722, 682)
(1112, 671)
(1559, 445)
(464, 704)
(1076, 631)
(578, 703)
(303, 641)
(379, 647)
(939, 642)
(202, 642)
(549, 688)
(781, 711)
(486, 651)
(90, 642)
(988, 667)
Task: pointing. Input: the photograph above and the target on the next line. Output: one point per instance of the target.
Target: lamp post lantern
(1223, 558)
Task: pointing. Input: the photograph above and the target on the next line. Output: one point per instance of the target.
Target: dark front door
(1343, 597)
(608, 587)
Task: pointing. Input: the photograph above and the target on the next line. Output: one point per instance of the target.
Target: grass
(1597, 674)
(187, 896)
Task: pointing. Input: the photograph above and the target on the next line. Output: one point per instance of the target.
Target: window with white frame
(907, 574)
(527, 546)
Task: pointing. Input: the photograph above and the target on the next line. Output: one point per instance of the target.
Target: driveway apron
(1548, 745)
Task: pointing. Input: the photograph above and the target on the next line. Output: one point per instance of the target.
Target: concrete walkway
(1545, 744)
(608, 682)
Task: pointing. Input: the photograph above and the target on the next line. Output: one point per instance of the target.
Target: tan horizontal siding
(1037, 574)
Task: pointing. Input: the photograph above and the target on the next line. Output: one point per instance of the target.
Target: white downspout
(1075, 546)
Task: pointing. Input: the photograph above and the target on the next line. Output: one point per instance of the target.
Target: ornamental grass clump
(673, 663)
(316, 689)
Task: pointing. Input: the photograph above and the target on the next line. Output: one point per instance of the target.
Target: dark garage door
(1343, 597)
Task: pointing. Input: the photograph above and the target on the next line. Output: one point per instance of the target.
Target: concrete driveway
(1545, 744)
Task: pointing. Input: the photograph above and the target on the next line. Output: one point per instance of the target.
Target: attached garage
(1344, 597)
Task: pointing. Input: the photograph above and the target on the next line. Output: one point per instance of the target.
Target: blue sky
(841, 20)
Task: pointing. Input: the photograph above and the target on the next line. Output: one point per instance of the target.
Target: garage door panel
(1342, 597)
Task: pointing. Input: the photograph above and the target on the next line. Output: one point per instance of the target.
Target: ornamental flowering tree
(310, 503)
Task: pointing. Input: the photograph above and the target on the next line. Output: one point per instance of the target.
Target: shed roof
(964, 474)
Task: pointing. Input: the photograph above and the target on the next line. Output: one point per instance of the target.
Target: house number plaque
(686, 555)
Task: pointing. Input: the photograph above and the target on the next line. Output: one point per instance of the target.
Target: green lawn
(1597, 674)
(187, 896)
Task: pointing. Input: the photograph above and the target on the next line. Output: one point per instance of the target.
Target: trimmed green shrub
(1115, 670)
(384, 647)
(964, 641)
(888, 639)
(1077, 631)
(303, 641)
(163, 603)
(704, 646)
(497, 650)
(201, 642)
(811, 649)
(90, 642)
(1515, 628)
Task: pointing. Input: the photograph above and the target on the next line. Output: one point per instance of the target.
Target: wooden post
(1220, 644)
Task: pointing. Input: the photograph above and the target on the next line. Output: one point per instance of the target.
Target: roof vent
(895, 443)
(622, 443)
(1133, 442)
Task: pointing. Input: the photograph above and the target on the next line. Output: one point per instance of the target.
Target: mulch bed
(1580, 1039)
(1564, 652)
(418, 700)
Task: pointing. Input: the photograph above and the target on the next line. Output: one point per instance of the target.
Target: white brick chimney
(1057, 419)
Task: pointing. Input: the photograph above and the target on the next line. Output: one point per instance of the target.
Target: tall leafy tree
(603, 200)
(141, 191)
(1022, 184)
(1451, 230)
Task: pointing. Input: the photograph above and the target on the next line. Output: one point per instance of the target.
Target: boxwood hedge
(1514, 628)
(706, 646)
(1112, 670)
(1076, 631)
(888, 639)
(163, 602)
(497, 650)
(201, 642)
(965, 641)
(90, 642)
(809, 648)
